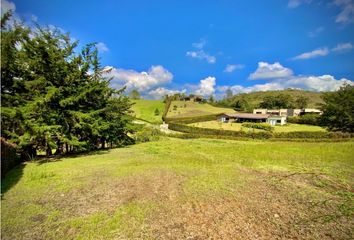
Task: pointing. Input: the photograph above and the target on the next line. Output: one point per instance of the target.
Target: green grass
(290, 127)
(194, 109)
(145, 109)
(171, 187)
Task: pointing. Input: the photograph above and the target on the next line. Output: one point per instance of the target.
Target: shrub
(9, 157)
(147, 134)
(263, 126)
(311, 119)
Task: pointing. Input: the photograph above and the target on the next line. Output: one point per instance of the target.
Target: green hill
(179, 109)
(254, 98)
(145, 110)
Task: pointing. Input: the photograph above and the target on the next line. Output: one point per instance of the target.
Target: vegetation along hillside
(254, 99)
(179, 109)
(148, 110)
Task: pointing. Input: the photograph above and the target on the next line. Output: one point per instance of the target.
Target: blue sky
(205, 47)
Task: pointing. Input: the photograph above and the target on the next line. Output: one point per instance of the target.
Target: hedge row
(195, 119)
(167, 107)
(311, 119)
(258, 135)
(9, 157)
(263, 126)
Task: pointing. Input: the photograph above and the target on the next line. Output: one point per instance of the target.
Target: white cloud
(232, 67)
(314, 83)
(315, 53)
(7, 6)
(201, 55)
(266, 70)
(342, 47)
(200, 44)
(296, 3)
(102, 47)
(206, 86)
(346, 14)
(315, 32)
(142, 81)
(158, 93)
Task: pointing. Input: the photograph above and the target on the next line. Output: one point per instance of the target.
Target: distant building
(287, 112)
(250, 117)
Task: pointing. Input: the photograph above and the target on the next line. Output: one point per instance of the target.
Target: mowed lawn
(186, 189)
(290, 127)
(194, 109)
(145, 109)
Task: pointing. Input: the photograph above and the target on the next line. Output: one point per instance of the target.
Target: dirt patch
(259, 210)
(107, 193)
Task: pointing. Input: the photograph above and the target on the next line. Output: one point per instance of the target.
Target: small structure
(310, 111)
(276, 120)
(193, 98)
(287, 112)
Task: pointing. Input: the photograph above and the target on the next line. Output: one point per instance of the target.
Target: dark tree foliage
(279, 101)
(338, 109)
(301, 102)
(55, 98)
(241, 105)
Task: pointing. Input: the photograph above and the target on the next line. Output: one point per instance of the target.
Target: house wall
(259, 111)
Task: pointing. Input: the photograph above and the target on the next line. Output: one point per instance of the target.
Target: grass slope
(145, 109)
(290, 127)
(194, 109)
(180, 189)
(254, 98)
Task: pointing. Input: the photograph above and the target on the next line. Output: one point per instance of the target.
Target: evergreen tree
(134, 94)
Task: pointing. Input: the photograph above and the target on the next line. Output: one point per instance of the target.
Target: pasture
(145, 110)
(186, 189)
(194, 109)
(290, 127)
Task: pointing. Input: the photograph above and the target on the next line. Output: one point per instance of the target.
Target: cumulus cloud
(266, 70)
(320, 52)
(342, 47)
(7, 6)
(314, 83)
(158, 93)
(206, 86)
(102, 47)
(201, 55)
(232, 67)
(346, 14)
(142, 81)
(296, 3)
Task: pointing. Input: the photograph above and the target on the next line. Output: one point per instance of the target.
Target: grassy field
(186, 189)
(145, 109)
(290, 127)
(193, 109)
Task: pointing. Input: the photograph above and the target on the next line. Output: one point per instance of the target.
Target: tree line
(54, 96)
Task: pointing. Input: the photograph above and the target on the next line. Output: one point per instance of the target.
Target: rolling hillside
(179, 109)
(254, 98)
(145, 110)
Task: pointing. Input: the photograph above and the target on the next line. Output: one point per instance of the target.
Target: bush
(313, 135)
(147, 134)
(9, 157)
(263, 126)
(187, 120)
(311, 119)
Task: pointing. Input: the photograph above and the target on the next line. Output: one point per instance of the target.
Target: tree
(157, 112)
(338, 109)
(278, 101)
(229, 93)
(211, 99)
(241, 105)
(301, 102)
(54, 97)
(134, 94)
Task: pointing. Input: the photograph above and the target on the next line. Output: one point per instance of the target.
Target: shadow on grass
(11, 178)
(56, 158)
